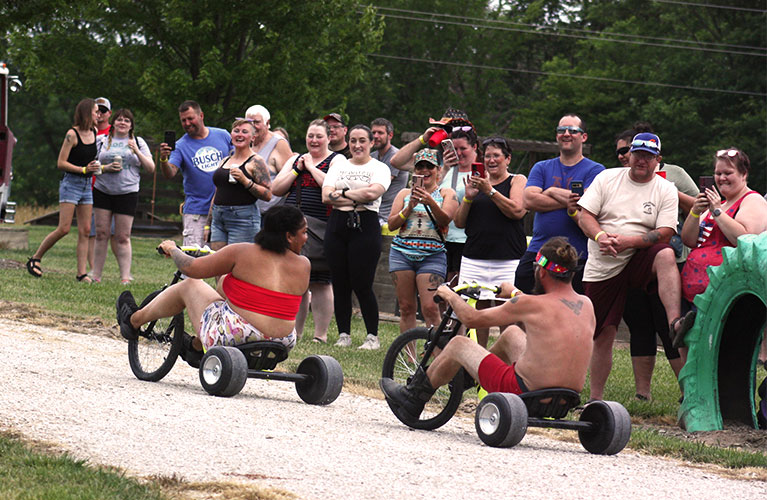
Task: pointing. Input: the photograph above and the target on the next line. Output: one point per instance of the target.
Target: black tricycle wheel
(501, 420)
(401, 361)
(159, 343)
(325, 381)
(223, 371)
(612, 430)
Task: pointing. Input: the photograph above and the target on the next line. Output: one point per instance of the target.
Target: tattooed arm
(260, 186)
(215, 264)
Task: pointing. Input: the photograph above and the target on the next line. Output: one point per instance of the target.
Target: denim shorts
(235, 224)
(75, 189)
(433, 264)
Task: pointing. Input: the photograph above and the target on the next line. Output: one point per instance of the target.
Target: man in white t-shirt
(629, 215)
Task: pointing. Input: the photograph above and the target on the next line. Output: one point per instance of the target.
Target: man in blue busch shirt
(197, 154)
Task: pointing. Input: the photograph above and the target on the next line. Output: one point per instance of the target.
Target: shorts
(194, 229)
(487, 272)
(609, 296)
(75, 189)
(235, 223)
(322, 277)
(496, 376)
(432, 264)
(454, 256)
(124, 204)
(220, 325)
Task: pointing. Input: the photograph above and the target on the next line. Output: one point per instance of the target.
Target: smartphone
(577, 187)
(478, 168)
(418, 181)
(706, 181)
(170, 138)
(447, 145)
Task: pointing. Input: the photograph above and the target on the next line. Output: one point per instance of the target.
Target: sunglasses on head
(646, 144)
(622, 151)
(727, 152)
(572, 130)
(463, 128)
(249, 120)
(425, 164)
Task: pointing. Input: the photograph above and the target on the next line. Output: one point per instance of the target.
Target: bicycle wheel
(400, 364)
(159, 343)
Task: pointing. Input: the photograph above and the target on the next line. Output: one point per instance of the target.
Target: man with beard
(337, 134)
(197, 154)
(545, 354)
(383, 131)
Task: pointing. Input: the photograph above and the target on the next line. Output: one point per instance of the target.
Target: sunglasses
(622, 151)
(103, 110)
(249, 120)
(732, 153)
(646, 144)
(425, 164)
(572, 130)
(463, 128)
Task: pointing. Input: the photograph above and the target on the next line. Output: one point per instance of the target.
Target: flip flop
(84, 278)
(677, 337)
(318, 340)
(33, 267)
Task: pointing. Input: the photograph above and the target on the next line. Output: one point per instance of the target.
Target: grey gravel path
(78, 391)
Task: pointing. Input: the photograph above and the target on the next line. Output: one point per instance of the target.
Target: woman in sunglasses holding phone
(492, 212)
(417, 258)
(716, 221)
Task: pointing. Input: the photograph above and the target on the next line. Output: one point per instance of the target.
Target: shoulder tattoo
(261, 174)
(514, 299)
(573, 306)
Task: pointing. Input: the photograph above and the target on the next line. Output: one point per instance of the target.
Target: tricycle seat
(263, 354)
(550, 403)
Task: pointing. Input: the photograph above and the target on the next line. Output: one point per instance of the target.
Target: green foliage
(27, 474)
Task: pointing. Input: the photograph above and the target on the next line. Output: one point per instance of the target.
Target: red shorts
(609, 296)
(497, 376)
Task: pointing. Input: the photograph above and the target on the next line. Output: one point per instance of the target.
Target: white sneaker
(344, 340)
(371, 344)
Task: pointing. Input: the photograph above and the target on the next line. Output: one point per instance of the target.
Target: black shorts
(454, 256)
(124, 204)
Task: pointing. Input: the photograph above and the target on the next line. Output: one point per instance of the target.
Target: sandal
(687, 322)
(33, 267)
(318, 340)
(84, 278)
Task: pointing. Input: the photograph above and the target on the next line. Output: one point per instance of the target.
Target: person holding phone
(77, 158)
(115, 193)
(492, 212)
(197, 155)
(716, 221)
(417, 258)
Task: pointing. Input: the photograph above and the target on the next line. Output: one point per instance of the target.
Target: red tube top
(260, 300)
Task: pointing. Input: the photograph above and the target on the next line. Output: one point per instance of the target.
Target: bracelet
(251, 185)
(402, 215)
(163, 160)
(697, 216)
(343, 193)
(85, 170)
(572, 214)
(596, 237)
(468, 200)
(423, 142)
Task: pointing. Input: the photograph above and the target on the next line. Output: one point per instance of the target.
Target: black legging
(352, 257)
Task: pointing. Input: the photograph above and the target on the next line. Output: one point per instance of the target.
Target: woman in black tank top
(241, 179)
(77, 158)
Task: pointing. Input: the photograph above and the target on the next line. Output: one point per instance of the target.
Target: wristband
(85, 170)
(697, 216)
(343, 192)
(516, 292)
(468, 200)
(572, 214)
(296, 172)
(596, 237)
(206, 227)
(423, 142)
(251, 185)
(163, 160)
(402, 215)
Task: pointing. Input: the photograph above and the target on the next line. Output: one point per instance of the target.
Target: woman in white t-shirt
(115, 192)
(353, 235)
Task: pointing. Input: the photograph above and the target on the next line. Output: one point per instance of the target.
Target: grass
(59, 293)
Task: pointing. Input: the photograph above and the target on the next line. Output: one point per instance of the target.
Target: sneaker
(371, 344)
(189, 354)
(344, 340)
(126, 306)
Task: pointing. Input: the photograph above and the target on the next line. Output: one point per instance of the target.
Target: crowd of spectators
(644, 231)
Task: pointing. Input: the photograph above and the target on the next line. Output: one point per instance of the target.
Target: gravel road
(77, 391)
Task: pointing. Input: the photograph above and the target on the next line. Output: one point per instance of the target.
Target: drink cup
(437, 137)
(100, 170)
(232, 180)
(118, 162)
